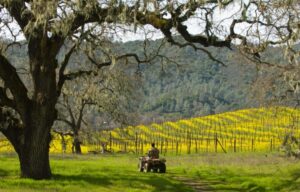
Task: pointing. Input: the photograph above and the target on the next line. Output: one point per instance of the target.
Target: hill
(187, 84)
(195, 85)
(254, 129)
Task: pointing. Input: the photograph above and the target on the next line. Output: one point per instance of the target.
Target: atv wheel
(140, 167)
(162, 168)
(147, 167)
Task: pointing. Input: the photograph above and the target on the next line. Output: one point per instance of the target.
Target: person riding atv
(151, 162)
(153, 153)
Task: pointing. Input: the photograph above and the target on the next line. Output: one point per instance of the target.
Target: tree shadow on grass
(3, 173)
(296, 174)
(138, 182)
(165, 184)
(228, 180)
(292, 183)
(95, 180)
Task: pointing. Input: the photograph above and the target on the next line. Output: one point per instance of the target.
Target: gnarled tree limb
(13, 82)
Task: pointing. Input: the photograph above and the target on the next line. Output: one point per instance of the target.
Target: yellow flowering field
(256, 129)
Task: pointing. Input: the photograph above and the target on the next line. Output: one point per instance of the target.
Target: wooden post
(136, 143)
(142, 148)
(221, 146)
(110, 141)
(172, 148)
(166, 147)
(207, 143)
(241, 144)
(161, 145)
(196, 144)
(180, 147)
(201, 141)
(234, 145)
(188, 143)
(271, 147)
(216, 143)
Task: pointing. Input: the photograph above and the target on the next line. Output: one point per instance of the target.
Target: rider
(153, 153)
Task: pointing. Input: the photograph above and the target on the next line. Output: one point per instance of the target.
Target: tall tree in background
(49, 27)
(108, 95)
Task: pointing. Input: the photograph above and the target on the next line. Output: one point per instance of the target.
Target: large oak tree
(48, 27)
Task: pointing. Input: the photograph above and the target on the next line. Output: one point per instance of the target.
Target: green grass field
(204, 172)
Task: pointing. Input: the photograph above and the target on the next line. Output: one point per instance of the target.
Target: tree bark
(34, 154)
(77, 144)
(41, 113)
(38, 120)
(31, 141)
(34, 159)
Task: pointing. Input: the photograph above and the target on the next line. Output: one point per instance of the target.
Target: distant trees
(108, 95)
(47, 27)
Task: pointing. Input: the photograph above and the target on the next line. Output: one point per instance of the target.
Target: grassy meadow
(192, 147)
(118, 173)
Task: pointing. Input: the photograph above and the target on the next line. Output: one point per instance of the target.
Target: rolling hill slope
(192, 85)
(255, 129)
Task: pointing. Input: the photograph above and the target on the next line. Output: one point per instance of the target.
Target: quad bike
(147, 164)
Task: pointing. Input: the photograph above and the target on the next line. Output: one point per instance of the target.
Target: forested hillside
(188, 83)
(197, 85)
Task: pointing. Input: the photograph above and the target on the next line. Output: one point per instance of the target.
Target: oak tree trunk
(34, 155)
(34, 159)
(76, 144)
(41, 113)
(35, 103)
(31, 143)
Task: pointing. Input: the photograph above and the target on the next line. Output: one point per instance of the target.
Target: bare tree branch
(17, 10)
(64, 64)
(65, 121)
(4, 100)
(12, 81)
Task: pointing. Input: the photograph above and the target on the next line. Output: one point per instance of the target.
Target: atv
(147, 164)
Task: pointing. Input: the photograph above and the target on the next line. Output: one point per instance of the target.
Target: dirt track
(198, 186)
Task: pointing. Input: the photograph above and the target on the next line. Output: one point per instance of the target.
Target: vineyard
(257, 129)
